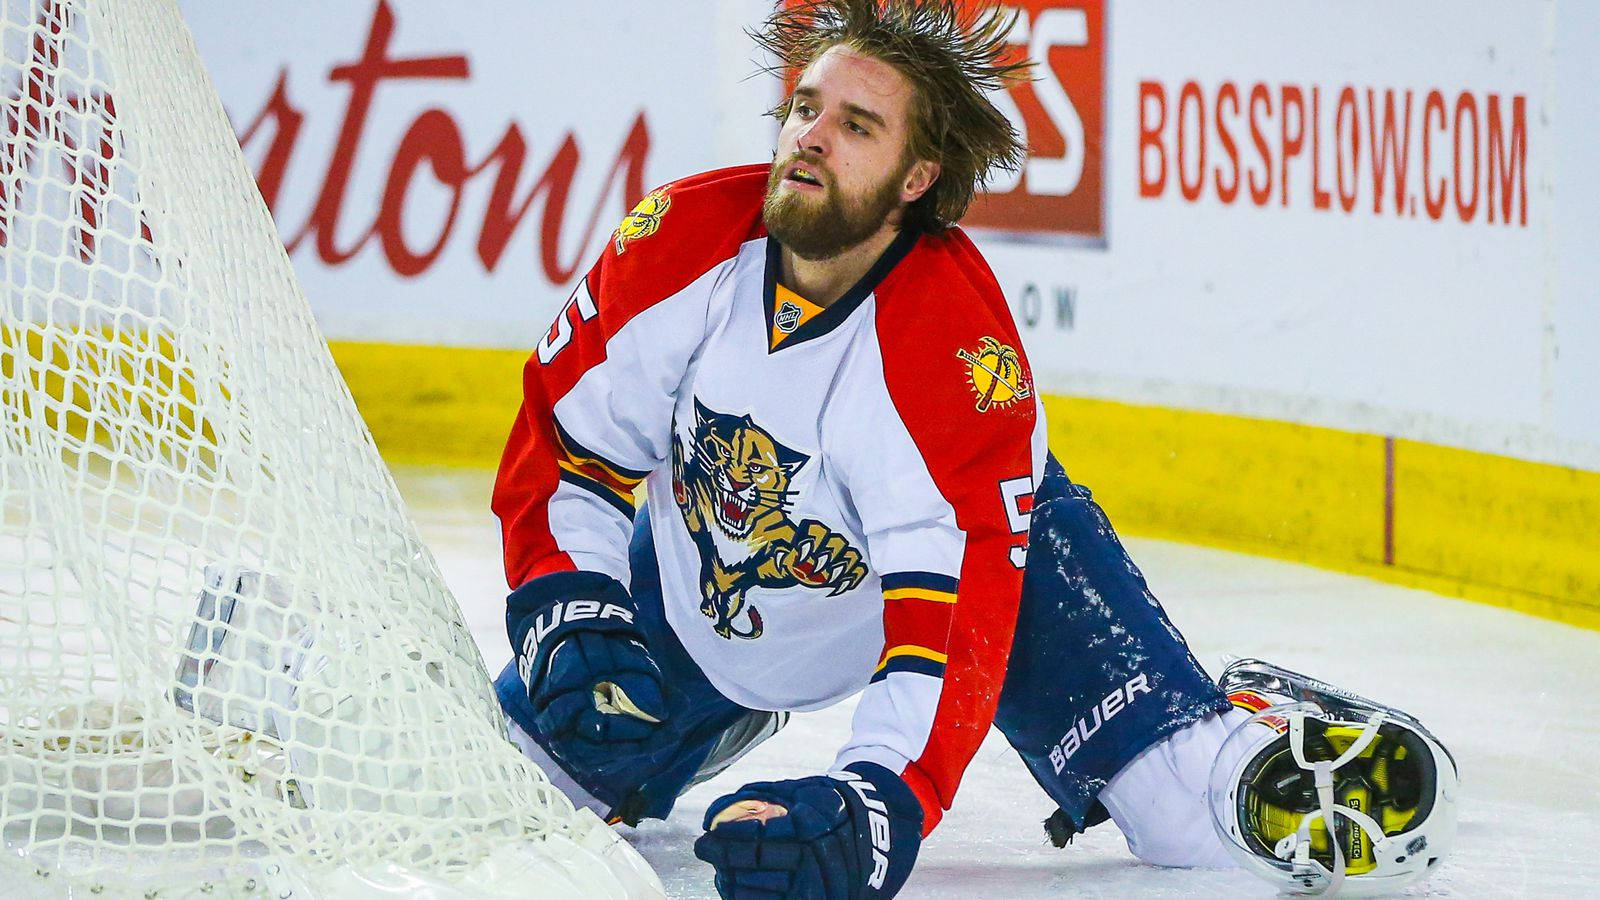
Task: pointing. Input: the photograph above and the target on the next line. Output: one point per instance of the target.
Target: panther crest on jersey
(732, 480)
(644, 220)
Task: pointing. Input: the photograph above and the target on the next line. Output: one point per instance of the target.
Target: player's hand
(840, 836)
(596, 693)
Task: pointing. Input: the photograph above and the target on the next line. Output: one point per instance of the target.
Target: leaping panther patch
(735, 478)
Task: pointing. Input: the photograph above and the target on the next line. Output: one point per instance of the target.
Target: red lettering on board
(1484, 137)
(1191, 95)
(1291, 98)
(1260, 194)
(433, 147)
(1229, 92)
(1151, 185)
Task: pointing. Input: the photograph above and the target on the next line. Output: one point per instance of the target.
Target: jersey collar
(823, 322)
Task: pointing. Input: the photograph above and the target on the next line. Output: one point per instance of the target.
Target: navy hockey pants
(1097, 673)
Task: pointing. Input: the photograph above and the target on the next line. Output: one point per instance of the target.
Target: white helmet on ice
(1320, 804)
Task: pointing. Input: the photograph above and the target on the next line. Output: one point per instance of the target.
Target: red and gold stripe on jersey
(583, 468)
(917, 609)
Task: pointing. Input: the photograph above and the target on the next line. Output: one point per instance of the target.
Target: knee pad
(1160, 802)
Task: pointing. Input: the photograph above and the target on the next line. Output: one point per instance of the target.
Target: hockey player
(816, 377)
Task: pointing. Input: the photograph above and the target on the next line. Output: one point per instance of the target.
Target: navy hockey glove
(846, 835)
(595, 690)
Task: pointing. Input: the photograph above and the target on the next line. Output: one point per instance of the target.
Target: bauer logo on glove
(596, 693)
(848, 834)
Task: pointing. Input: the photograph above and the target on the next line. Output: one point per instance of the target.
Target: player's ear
(919, 178)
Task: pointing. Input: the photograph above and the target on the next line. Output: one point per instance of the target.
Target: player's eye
(856, 127)
(804, 111)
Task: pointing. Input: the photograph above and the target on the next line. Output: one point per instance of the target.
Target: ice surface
(1517, 699)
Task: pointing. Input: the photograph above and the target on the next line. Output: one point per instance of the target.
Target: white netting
(221, 641)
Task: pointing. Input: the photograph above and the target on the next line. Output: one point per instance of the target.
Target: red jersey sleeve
(597, 392)
(947, 522)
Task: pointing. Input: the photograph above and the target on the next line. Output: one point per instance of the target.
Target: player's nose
(814, 137)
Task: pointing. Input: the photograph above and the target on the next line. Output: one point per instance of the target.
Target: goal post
(226, 658)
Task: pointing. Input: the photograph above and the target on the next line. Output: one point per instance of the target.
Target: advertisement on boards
(1060, 191)
(1352, 215)
(443, 176)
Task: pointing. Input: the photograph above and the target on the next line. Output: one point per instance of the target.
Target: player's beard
(819, 227)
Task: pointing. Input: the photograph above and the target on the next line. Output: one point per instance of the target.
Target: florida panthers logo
(732, 484)
(644, 220)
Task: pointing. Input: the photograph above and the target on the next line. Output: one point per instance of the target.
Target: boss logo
(877, 823)
(1102, 712)
(1060, 114)
(565, 611)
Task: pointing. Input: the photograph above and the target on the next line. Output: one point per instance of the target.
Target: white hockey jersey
(839, 496)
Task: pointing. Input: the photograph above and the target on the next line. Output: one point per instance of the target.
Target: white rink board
(1452, 330)
(1439, 330)
(554, 72)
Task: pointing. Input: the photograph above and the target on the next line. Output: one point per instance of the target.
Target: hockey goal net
(226, 659)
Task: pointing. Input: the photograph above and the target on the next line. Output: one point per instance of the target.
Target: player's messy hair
(952, 57)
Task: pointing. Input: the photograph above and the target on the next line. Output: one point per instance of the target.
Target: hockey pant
(1102, 690)
(1098, 681)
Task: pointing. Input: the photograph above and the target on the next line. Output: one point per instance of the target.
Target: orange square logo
(1061, 116)
(1060, 189)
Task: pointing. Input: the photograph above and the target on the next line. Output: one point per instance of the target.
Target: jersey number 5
(1017, 494)
(560, 334)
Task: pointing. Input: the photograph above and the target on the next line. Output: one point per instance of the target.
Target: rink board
(1487, 528)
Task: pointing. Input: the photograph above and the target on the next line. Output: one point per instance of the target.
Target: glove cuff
(540, 594)
(887, 818)
(541, 613)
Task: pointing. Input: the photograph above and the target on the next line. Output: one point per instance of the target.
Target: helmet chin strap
(1298, 844)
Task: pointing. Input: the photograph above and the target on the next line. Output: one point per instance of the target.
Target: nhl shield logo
(787, 318)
